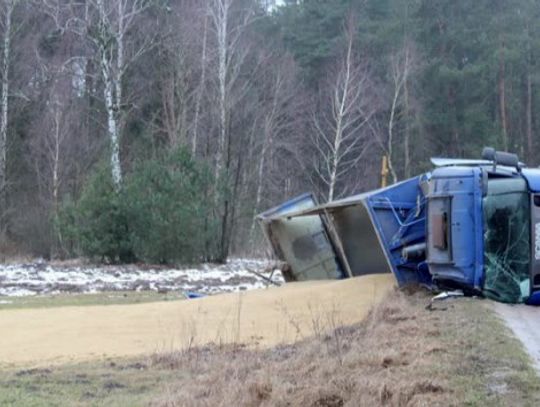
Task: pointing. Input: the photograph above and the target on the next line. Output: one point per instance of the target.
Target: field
(455, 353)
(353, 342)
(260, 318)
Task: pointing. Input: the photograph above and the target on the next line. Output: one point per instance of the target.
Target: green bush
(98, 222)
(168, 209)
(162, 214)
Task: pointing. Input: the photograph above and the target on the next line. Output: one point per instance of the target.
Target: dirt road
(37, 337)
(524, 322)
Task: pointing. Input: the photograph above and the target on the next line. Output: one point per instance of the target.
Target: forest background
(155, 130)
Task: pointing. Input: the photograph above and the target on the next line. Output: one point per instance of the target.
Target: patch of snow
(42, 278)
(16, 292)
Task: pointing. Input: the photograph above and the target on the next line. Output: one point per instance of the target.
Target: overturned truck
(468, 224)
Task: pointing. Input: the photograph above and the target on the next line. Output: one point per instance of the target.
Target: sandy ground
(524, 322)
(37, 337)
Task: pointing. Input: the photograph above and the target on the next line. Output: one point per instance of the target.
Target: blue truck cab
(472, 225)
(481, 228)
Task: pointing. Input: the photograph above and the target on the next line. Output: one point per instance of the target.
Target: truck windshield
(507, 240)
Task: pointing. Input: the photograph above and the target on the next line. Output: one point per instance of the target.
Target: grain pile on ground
(402, 354)
(258, 318)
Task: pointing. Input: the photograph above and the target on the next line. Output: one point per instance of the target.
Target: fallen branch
(267, 279)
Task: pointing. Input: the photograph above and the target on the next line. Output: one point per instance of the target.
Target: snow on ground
(43, 278)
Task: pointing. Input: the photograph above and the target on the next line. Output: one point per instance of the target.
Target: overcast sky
(278, 3)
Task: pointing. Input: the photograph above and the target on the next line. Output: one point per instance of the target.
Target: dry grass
(401, 355)
(457, 354)
(11, 252)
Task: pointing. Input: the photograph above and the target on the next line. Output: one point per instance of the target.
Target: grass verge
(110, 383)
(458, 353)
(102, 298)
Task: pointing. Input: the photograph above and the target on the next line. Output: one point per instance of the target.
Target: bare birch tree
(229, 27)
(182, 84)
(229, 23)
(402, 64)
(201, 86)
(176, 98)
(338, 133)
(275, 121)
(115, 18)
(52, 149)
(400, 67)
(106, 25)
(52, 131)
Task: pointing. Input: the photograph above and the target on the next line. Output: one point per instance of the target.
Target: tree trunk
(528, 107)
(56, 159)
(221, 170)
(229, 207)
(113, 64)
(56, 177)
(529, 117)
(222, 79)
(407, 140)
(454, 148)
(4, 117)
(335, 162)
(390, 143)
(336, 156)
(118, 72)
(112, 128)
(200, 91)
(260, 175)
(502, 99)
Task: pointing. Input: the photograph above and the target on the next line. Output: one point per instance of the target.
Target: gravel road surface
(524, 321)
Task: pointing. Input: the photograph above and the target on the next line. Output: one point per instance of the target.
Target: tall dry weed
(382, 361)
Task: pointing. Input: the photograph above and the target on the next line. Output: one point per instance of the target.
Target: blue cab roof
(532, 175)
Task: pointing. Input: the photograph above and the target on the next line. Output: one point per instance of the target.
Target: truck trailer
(472, 225)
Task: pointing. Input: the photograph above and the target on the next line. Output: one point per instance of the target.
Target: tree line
(156, 130)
